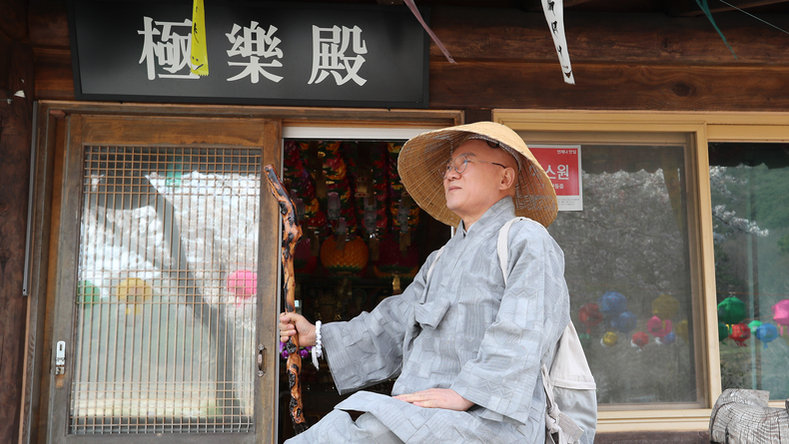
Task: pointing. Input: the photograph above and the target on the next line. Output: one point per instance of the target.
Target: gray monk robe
(460, 329)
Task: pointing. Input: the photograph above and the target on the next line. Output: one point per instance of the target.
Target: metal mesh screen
(166, 291)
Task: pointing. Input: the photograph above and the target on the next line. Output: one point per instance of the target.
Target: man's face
(471, 193)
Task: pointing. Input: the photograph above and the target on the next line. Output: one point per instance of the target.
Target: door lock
(60, 358)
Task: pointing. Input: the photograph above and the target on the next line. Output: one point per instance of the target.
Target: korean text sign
(562, 163)
(258, 53)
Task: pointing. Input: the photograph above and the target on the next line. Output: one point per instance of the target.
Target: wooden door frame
(50, 138)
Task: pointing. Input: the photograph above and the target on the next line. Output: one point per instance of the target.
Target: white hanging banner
(554, 15)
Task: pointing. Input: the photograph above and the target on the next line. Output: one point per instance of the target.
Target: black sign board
(301, 54)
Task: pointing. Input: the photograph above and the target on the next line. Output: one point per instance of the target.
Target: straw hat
(422, 158)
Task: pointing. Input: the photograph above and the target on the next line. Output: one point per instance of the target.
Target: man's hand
(290, 323)
(437, 398)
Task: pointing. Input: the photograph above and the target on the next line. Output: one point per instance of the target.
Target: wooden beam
(689, 8)
(604, 86)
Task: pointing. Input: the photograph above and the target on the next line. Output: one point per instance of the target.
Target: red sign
(562, 163)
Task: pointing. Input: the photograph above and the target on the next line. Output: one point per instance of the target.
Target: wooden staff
(291, 233)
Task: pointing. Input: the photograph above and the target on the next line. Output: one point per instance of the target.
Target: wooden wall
(17, 82)
(506, 59)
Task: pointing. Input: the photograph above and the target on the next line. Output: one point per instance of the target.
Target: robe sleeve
(369, 348)
(534, 311)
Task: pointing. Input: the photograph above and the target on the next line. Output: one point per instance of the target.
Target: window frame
(701, 128)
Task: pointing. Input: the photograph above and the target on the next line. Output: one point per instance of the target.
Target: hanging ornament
(590, 315)
(87, 293)
(665, 306)
(639, 339)
(781, 314)
(681, 329)
(350, 260)
(753, 325)
(612, 304)
(731, 310)
(740, 333)
(766, 333)
(625, 322)
(609, 339)
(658, 327)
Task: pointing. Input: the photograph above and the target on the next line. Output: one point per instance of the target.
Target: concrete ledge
(652, 437)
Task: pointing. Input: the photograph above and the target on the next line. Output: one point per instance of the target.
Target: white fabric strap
(317, 349)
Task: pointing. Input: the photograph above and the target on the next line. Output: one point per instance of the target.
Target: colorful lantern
(740, 333)
(134, 291)
(731, 311)
(585, 339)
(610, 339)
(393, 262)
(681, 329)
(766, 333)
(612, 304)
(590, 315)
(87, 293)
(665, 306)
(781, 314)
(668, 339)
(723, 331)
(351, 259)
(639, 339)
(659, 328)
(625, 322)
(303, 260)
(753, 325)
(242, 283)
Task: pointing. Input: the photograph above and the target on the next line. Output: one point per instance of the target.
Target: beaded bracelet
(317, 350)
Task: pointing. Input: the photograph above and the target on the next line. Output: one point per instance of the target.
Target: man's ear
(507, 179)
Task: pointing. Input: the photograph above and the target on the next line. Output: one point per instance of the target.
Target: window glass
(750, 210)
(629, 275)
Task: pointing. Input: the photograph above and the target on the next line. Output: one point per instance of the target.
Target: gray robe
(461, 329)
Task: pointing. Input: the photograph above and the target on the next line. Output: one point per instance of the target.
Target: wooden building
(664, 111)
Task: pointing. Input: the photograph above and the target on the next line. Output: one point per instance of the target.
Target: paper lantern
(303, 260)
(134, 292)
(665, 306)
(723, 331)
(766, 333)
(391, 261)
(639, 339)
(612, 304)
(585, 339)
(681, 329)
(753, 325)
(740, 333)
(658, 327)
(87, 293)
(668, 339)
(731, 310)
(781, 314)
(590, 315)
(350, 260)
(624, 322)
(242, 283)
(610, 339)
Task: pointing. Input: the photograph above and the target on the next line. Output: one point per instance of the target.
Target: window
(750, 208)
(664, 213)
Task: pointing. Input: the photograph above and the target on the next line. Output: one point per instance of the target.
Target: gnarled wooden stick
(291, 233)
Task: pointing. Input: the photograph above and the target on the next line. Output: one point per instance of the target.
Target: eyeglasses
(459, 164)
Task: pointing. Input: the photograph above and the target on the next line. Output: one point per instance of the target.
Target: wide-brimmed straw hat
(422, 158)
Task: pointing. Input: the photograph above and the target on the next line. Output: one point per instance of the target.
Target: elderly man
(465, 348)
